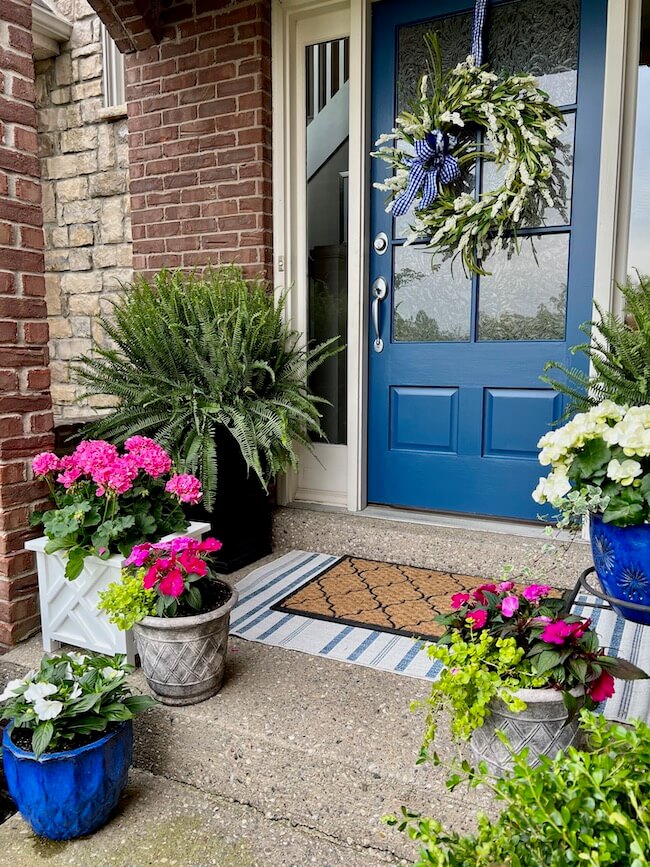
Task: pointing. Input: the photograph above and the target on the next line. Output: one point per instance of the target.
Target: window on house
(113, 72)
(638, 255)
(327, 68)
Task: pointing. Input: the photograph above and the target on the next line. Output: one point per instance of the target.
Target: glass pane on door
(525, 296)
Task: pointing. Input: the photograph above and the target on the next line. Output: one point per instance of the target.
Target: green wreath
(463, 115)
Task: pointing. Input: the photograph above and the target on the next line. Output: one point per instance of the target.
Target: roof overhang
(49, 30)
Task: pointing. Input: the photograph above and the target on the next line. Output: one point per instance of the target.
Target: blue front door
(456, 404)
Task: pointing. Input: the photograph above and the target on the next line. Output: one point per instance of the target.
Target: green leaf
(193, 597)
(116, 712)
(546, 660)
(139, 703)
(75, 563)
(594, 456)
(41, 737)
(578, 667)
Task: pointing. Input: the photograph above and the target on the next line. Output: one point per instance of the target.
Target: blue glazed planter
(69, 794)
(622, 561)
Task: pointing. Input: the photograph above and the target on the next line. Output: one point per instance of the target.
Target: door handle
(379, 292)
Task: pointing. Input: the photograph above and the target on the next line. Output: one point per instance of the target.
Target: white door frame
(290, 28)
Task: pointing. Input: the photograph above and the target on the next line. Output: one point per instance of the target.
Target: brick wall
(25, 407)
(200, 139)
(84, 164)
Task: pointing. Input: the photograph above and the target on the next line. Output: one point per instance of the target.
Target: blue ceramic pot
(69, 794)
(622, 561)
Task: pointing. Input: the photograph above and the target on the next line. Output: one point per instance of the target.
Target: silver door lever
(379, 292)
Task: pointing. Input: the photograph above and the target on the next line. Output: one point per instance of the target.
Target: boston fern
(191, 353)
(619, 353)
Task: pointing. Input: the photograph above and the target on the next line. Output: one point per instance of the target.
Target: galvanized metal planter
(69, 613)
(184, 658)
(542, 727)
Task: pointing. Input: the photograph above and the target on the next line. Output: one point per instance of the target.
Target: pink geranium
(149, 456)
(509, 605)
(45, 463)
(186, 487)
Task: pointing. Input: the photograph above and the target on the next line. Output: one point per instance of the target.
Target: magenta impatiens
(548, 645)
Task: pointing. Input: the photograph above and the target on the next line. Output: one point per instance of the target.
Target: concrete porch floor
(298, 757)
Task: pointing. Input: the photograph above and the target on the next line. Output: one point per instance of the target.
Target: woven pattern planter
(184, 658)
(541, 727)
(69, 612)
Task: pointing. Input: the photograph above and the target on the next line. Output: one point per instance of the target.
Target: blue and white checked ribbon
(480, 8)
(433, 164)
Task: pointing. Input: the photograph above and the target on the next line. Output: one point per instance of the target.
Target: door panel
(456, 404)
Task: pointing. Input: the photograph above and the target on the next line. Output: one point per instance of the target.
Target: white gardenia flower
(625, 472)
(11, 689)
(45, 709)
(37, 691)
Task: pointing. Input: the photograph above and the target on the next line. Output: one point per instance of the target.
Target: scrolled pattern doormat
(373, 594)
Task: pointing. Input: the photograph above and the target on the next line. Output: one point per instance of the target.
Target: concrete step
(161, 822)
(325, 747)
(430, 541)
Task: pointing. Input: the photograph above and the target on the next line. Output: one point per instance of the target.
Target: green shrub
(194, 352)
(590, 809)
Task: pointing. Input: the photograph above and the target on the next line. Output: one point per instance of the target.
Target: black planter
(241, 515)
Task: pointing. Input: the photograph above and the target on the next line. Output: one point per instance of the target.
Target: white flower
(11, 689)
(76, 691)
(45, 709)
(452, 117)
(624, 472)
(77, 658)
(37, 691)
(111, 673)
(552, 488)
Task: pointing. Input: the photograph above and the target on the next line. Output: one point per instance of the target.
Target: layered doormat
(373, 594)
(268, 596)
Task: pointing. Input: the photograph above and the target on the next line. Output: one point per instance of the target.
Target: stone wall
(84, 159)
(25, 408)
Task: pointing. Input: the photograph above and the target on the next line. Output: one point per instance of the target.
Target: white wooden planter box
(69, 613)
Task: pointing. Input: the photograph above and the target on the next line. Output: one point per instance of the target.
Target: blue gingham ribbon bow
(432, 165)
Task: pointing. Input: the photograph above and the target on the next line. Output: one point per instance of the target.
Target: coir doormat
(377, 595)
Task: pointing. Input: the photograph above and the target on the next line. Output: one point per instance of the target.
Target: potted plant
(67, 749)
(600, 467)
(514, 661)
(208, 366)
(586, 808)
(180, 614)
(104, 503)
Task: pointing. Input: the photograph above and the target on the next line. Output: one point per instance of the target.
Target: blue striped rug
(254, 620)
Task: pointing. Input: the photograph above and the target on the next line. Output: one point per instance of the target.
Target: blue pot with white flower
(69, 794)
(622, 560)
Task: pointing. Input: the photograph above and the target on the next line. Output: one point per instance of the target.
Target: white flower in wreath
(452, 117)
(624, 472)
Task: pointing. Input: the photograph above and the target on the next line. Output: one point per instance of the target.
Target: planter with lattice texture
(69, 612)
